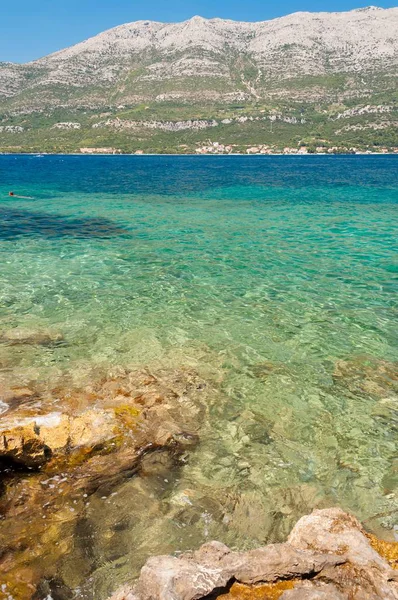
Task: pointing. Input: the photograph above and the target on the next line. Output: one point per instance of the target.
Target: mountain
(314, 78)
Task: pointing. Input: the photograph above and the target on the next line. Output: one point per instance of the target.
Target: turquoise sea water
(262, 274)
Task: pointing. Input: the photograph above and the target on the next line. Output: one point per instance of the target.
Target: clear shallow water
(259, 273)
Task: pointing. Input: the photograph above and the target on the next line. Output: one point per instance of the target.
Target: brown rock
(91, 428)
(98, 441)
(366, 375)
(387, 409)
(21, 445)
(31, 442)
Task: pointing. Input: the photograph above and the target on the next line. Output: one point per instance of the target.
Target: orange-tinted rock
(270, 591)
(98, 439)
(33, 441)
(388, 550)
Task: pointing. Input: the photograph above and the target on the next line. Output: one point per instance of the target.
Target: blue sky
(33, 28)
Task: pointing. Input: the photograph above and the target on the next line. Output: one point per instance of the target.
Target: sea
(275, 279)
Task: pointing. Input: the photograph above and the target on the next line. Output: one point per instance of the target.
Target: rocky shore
(328, 556)
(67, 449)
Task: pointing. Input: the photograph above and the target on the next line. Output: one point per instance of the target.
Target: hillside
(326, 80)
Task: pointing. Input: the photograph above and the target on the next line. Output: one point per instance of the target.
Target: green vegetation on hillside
(334, 111)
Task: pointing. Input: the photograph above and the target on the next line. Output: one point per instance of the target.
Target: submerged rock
(387, 410)
(103, 435)
(124, 410)
(267, 369)
(327, 557)
(35, 337)
(368, 376)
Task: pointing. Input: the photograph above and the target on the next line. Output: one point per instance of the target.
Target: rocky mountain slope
(206, 70)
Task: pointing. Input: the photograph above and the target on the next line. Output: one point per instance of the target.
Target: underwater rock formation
(35, 337)
(52, 461)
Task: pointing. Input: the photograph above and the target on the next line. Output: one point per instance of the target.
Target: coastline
(235, 154)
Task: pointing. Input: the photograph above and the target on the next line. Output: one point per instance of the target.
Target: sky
(30, 29)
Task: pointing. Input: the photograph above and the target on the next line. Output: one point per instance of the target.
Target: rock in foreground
(59, 447)
(328, 556)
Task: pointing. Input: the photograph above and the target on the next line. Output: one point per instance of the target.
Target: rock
(187, 578)
(166, 578)
(21, 445)
(366, 375)
(309, 591)
(256, 427)
(53, 589)
(388, 550)
(387, 410)
(327, 557)
(17, 395)
(100, 439)
(282, 561)
(35, 337)
(267, 368)
(131, 408)
(93, 428)
(33, 441)
(332, 530)
(125, 593)
(196, 575)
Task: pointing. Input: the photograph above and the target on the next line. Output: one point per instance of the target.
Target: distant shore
(241, 154)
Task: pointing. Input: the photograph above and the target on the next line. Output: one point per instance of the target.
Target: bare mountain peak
(369, 8)
(154, 31)
(212, 57)
(376, 26)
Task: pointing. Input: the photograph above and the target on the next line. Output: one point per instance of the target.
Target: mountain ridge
(303, 67)
(199, 18)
